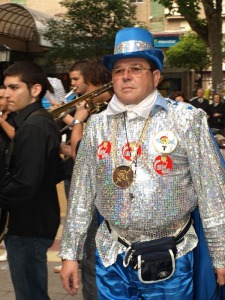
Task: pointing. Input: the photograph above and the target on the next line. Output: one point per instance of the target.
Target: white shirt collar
(133, 110)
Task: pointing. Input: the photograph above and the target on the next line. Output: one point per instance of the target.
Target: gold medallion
(123, 176)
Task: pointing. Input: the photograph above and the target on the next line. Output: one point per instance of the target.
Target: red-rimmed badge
(163, 164)
(104, 149)
(129, 148)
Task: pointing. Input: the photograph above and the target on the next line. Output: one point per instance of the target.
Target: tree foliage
(88, 28)
(191, 52)
(208, 28)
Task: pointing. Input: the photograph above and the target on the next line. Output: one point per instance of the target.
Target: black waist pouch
(154, 260)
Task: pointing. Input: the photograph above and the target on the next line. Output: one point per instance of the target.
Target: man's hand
(65, 149)
(220, 276)
(70, 276)
(216, 115)
(82, 112)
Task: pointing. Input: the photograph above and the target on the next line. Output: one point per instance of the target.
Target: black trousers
(88, 274)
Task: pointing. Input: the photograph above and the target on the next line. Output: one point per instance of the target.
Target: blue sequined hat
(134, 42)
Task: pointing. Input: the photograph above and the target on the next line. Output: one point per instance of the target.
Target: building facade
(49, 7)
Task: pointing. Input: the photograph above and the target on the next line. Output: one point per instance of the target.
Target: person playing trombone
(87, 76)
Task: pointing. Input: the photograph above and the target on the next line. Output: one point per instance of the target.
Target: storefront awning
(23, 24)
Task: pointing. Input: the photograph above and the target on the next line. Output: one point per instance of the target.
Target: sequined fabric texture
(157, 204)
(131, 46)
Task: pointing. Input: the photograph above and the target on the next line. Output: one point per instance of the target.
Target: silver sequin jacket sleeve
(208, 176)
(81, 198)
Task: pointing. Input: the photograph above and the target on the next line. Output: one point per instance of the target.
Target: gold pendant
(123, 176)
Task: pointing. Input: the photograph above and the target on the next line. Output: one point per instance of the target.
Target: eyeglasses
(130, 70)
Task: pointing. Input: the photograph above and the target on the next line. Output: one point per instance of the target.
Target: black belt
(178, 238)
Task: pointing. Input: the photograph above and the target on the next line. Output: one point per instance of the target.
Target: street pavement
(56, 291)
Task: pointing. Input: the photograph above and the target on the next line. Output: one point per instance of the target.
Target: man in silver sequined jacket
(146, 163)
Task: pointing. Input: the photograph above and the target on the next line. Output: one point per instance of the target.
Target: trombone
(63, 110)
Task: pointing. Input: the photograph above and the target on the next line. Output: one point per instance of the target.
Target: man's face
(3, 101)
(200, 93)
(133, 81)
(18, 95)
(216, 99)
(179, 98)
(77, 81)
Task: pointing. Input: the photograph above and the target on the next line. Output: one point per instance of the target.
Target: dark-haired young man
(29, 189)
(86, 77)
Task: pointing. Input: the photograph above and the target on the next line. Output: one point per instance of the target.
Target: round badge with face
(165, 141)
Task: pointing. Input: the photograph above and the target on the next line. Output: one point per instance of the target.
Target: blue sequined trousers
(119, 283)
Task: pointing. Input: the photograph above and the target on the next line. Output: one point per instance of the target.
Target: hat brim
(155, 55)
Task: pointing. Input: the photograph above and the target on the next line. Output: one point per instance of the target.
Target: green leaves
(89, 28)
(191, 52)
(204, 18)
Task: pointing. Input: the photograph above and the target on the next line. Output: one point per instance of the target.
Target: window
(137, 0)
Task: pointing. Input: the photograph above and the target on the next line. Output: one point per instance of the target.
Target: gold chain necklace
(123, 176)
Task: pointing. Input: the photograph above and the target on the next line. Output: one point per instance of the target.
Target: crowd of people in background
(215, 107)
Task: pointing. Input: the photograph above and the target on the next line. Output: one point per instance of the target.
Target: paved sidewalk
(56, 291)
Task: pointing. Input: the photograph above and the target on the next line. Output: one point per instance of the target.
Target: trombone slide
(63, 110)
